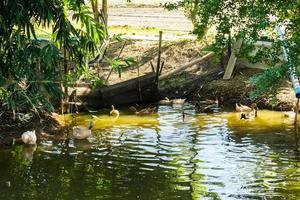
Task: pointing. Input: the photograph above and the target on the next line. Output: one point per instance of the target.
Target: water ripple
(163, 157)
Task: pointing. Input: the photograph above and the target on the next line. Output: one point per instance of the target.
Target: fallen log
(202, 80)
(190, 64)
(189, 86)
(138, 90)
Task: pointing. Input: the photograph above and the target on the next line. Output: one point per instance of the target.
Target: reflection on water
(161, 157)
(28, 151)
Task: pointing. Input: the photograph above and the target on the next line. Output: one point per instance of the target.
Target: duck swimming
(208, 108)
(242, 108)
(113, 111)
(81, 133)
(145, 111)
(290, 114)
(250, 115)
(165, 101)
(178, 101)
(29, 137)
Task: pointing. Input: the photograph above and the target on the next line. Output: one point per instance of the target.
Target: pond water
(214, 156)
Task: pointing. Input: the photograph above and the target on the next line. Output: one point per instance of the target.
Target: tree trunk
(95, 9)
(104, 10)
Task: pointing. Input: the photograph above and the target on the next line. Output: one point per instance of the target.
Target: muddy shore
(46, 125)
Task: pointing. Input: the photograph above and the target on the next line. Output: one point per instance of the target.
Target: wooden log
(204, 79)
(186, 88)
(159, 55)
(139, 82)
(74, 103)
(82, 84)
(152, 67)
(119, 99)
(232, 60)
(296, 112)
(190, 64)
(161, 68)
(147, 80)
(80, 91)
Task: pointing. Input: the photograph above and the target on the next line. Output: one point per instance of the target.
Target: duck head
(133, 108)
(243, 116)
(91, 125)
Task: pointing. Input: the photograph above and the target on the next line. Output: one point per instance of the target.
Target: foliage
(31, 69)
(249, 20)
(119, 63)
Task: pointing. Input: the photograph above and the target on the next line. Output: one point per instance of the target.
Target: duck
(165, 101)
(81, 133)
(178, 101)
(113, 111)
(242, 108)
(250, 115)
(29, 137)
(207, 101)
(145, 111)
(290, 114)
(209, 108)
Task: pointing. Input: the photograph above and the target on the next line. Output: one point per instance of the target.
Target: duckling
(29, 137)
(114, 112)
(289, 114)
(178, 101)
(242, 108)
(145, 111)
(165, 101)
(208, 109)
(81, 133)
(250, 115)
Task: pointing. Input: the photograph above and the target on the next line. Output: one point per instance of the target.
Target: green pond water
(214, 156)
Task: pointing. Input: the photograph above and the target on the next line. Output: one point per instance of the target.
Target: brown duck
(145, 111)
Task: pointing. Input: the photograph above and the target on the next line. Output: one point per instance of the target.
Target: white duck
(82, 133)
(29, 137)
(242, 108)
(165, 101)
(178, 101)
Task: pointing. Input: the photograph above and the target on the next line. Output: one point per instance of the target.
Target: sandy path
(139, 2)
(149, 17)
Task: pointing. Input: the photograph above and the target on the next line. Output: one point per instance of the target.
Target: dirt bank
(45, 125)
(198, 82)
(237, 90)
(174, 54)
